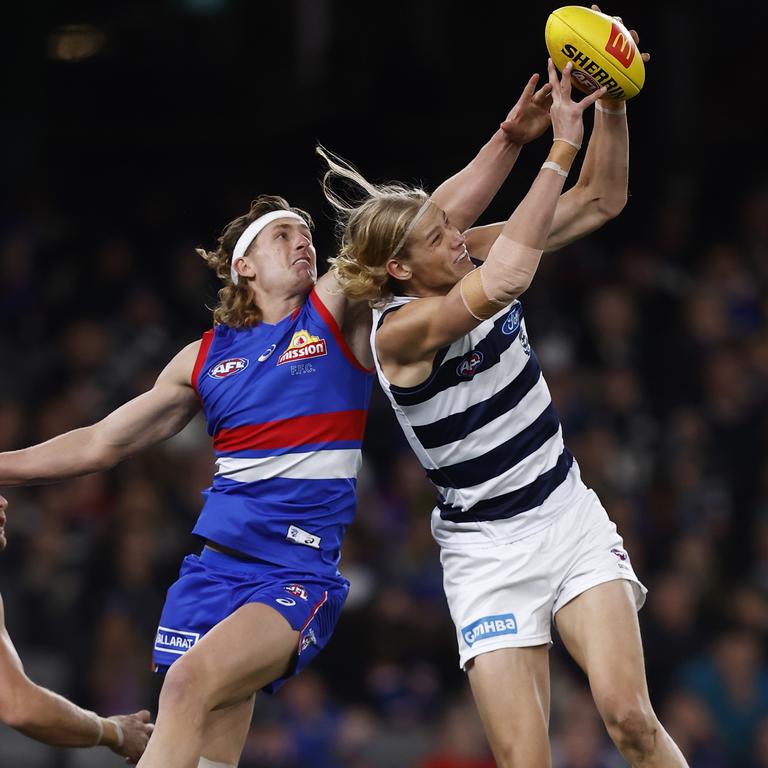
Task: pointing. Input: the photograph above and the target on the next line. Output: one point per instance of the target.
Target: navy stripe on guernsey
(513, 503)
(500, 459)
(458, 425)
(446, 375)
(489, 438)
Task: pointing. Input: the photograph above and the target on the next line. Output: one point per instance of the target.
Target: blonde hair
(237, 305)
(372, 229)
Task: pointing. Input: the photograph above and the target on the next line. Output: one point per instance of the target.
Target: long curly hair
(237, 305)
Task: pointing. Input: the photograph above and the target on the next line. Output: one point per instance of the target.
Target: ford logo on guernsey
(490, 626)
(512, 323)
(228, 367)
(470, 364)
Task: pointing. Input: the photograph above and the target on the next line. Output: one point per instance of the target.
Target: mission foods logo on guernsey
(303, 346)
(490, 626)
(229, 367)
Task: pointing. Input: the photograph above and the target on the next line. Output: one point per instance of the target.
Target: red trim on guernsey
(309, 620)
(330, 321)
(202, 353)
(289, 433)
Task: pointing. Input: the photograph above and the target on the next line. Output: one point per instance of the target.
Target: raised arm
(143, 421)
(43, 715)
(410, 338)
(600, 192)
(465, 195)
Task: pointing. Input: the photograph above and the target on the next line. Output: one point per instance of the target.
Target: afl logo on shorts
(512, 323)
(470, 365)
(228, 367)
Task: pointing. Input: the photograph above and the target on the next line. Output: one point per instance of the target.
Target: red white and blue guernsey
(286, 407)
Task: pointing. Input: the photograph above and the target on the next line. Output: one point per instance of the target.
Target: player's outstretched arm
(422, 327)
(45, 716)
(599, 194)
(143, 421)
(468, 193)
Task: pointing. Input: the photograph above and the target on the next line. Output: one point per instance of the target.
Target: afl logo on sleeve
(303, 346)
(230, 367)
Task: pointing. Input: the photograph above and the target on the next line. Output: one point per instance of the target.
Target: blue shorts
(214, 585)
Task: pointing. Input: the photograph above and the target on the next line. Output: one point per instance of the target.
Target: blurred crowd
(655, 347)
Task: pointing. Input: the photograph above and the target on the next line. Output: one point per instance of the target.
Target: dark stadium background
(135, 136)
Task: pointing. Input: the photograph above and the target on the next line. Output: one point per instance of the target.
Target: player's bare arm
(599, 194)
(408, 339)
(148, 419)
(45, 716)
(468, 193)
(464, 196)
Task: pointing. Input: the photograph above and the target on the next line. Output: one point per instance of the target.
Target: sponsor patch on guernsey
(489, 626)
(230, 367)
(175, 640)
(303, 346)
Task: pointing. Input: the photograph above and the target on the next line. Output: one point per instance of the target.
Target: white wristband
(568, 141)
(120, 733)
(100, 726)
(549, 165)
(600, 108)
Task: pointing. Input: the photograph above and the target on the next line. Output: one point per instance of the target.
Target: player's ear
(399, 269)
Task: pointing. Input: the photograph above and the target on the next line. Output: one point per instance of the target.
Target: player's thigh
(240, 655)
(511, 690)
(601, 632)
(225, 731)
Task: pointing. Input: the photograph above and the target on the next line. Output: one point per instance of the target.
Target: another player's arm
(43, 715)
(465, 195)
(148, 419)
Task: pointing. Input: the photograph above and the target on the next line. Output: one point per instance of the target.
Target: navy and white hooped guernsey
(484, 426)
(286, 406)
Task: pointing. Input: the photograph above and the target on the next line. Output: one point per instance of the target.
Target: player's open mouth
(301, 261)
(463, 255)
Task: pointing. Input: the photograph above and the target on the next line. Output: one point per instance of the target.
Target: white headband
(252, 230)
(414, 221)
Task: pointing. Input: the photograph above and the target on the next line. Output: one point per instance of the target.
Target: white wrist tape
(568, 141)
(622, 111)
(100, 726)
(206, 763)
(549, 165)
(120, 733)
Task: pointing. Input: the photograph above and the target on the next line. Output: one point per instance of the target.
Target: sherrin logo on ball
(601, 49)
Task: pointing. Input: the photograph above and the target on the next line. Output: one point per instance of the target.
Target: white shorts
(505, 595)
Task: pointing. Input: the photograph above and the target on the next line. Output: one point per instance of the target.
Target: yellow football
(601, 49)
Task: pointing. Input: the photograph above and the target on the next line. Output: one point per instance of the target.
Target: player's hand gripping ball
(601, 49)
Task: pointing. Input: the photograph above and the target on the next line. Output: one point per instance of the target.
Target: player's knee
(633, 728)
(181, 687)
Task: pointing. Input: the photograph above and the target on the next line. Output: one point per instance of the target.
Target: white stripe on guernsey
(495, 432)
(316, 465)
(522, 474)
(482, 386)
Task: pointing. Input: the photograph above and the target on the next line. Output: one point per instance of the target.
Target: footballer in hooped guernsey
(524, 543)
(283, 380)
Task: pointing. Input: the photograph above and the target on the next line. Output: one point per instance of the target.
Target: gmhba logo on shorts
(489, 626)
